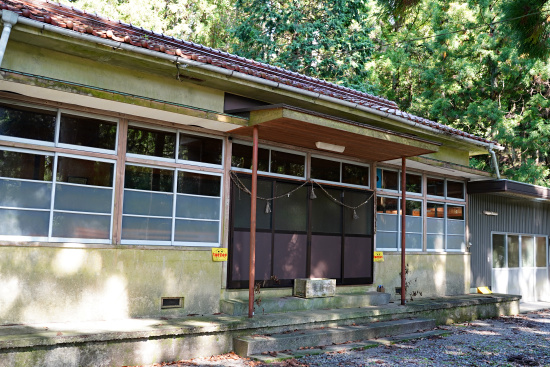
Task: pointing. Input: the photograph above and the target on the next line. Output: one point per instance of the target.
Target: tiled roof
(68, 17)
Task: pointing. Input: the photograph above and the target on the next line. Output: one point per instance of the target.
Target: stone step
(296, 339)
(238, 307)
(277, 356)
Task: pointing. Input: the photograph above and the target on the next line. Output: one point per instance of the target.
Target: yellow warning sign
(219, 254)
(378, 256)
(484, 290)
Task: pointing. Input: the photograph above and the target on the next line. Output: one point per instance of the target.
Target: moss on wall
(100, 73)
(55, 284)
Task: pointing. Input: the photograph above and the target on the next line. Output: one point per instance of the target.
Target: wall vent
(171, 302)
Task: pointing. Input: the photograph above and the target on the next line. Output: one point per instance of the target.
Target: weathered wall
(93, 72)
(449, 154)
(432, 274)
(55, 284)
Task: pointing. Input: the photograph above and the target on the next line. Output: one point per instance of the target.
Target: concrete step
(296, 339)
(238, 307)
(277, 356)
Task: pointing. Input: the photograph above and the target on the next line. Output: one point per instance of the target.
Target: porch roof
(303, 128)
(509, 188)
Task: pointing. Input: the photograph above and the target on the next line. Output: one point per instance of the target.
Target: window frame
(176, 131)
(174, 194)
(399, 225)
(52, 210)
(269, 149)
(446, 226)
(520, 250)
(341, 162)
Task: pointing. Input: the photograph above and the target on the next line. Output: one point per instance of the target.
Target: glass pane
(146, 229)
(196, 231)
(386, 240)
(241, 202)
(355, 175)
(413, 208)
(358, 257)
(413, 224)
(85, 172)
(290, 211)
(513, 251)
(456, 243)
(435, 186)
(387, 205)
(455, 212)
(241, 255)
(287, 163)
(150, 179)
(527, 251)
(289, 255)
(386, 222)
(435, 225)
(88, 132)
(326, 215)
(27, 123)
(499, 251)
(541, 251)
(200, 149)
(83, 199)
(413, 241)
(414, 183)
(388, 180)
(147, 203)
(455, 227)
(435, 210)
(323, 169)
(25, 166)
(198, 184)
(197, 207)
(69, 225)
(24, 223)
(436, 242)
(455, 189)
(364, 224)
(24, 194)
(326, 256)
(153, 143)
(241, 157)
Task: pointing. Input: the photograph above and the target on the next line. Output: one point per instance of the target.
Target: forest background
(481, 66)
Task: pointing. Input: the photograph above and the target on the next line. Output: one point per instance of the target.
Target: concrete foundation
(145, 341)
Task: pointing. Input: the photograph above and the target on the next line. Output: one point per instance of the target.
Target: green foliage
(200, 21)
(327, 39)
(529, 26)
(466, 70)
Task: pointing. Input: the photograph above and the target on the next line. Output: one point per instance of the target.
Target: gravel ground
(522, 340)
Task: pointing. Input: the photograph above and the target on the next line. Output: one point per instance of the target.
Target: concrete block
(251, 345)
(314, 287)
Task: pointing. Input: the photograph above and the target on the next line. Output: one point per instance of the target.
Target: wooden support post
(253, 196)
(403, 227)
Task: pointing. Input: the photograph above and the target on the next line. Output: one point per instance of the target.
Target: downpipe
(9, 18)
(495, 161)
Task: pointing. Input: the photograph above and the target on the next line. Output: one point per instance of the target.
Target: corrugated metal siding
(521, 216)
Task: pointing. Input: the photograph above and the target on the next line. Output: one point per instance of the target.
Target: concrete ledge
(237, 307)
(141, 341)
